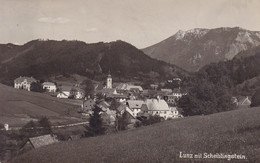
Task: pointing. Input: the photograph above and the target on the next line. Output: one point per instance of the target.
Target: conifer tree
(96, 126)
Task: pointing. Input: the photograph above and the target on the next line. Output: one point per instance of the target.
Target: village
(118, 103)
(115, 100)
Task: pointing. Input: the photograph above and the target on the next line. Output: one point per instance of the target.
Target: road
(59, 126)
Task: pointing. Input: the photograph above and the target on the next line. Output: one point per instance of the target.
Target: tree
(122, 122)
(96, 126)
(36, 87)
(45, 124)
(256, 99)
(29, 130)
(88, 87)
(114, 104)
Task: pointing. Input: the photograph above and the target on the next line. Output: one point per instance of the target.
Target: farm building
(24, 83)
(39, 141)
(49, 86)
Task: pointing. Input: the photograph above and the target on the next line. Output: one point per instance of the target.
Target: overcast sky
(139, 22)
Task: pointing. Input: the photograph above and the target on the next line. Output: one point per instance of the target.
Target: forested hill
(41, 58)
(211, 89)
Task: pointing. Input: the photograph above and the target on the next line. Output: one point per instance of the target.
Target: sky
(139, 22)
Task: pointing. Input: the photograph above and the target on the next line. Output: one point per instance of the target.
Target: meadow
(17, 107)
(232, 132)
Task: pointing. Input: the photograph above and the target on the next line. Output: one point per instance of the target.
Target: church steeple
(109, 81)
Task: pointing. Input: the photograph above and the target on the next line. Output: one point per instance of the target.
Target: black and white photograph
(132, 81)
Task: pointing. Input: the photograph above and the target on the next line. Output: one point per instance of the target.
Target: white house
(49, 86)
(64, 92)
(67, 91)
(134, 107)
(160, 107)
(178, 93)
(24, 83)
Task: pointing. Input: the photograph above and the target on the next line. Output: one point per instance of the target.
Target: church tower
(109, 81)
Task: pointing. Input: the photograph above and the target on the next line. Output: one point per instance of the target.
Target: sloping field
(19, 106)
(228, 133)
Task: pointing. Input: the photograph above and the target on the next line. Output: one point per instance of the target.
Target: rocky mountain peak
(195, 48)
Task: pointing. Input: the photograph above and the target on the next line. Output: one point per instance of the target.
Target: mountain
(43, 58)
(198, 47)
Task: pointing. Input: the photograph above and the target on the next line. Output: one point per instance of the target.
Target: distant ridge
(195, 48)
(43, 58)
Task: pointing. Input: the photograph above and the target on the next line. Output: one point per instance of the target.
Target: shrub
(256, 99)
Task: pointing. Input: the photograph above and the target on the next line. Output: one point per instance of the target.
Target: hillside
(17, 107)
(44, 58)
(198, 47)
(233, 132)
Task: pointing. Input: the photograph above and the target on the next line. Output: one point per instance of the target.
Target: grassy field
(17, 107)
(233, 132)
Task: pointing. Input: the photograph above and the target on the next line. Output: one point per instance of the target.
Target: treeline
(42, 59)
(210, 90)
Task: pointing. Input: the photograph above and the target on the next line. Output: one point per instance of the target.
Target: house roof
(48, 83)
(144, 107)
(21, 79)
(107, 90)
(176, 90)
(42, 140)
(89, 101)
(166, 90)
(104, 104)
(244, 101)
(156, 104)
(135, 104)
(128, 87)
(121, 107)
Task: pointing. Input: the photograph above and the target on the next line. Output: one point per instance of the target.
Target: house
(243, 102)
(39, 141)
(104, 105)
(121, 109)
(107, 92)
(24, 83)
(112, 93)
(175, 113)
(134, 107)
(158, 107)
(49, 86)
(77, 92)
(170, 99)
(154, 86)
(88, 106)
(123, 87)
(177, 92)
(64, 92)
(68, 91)
(167, 90)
